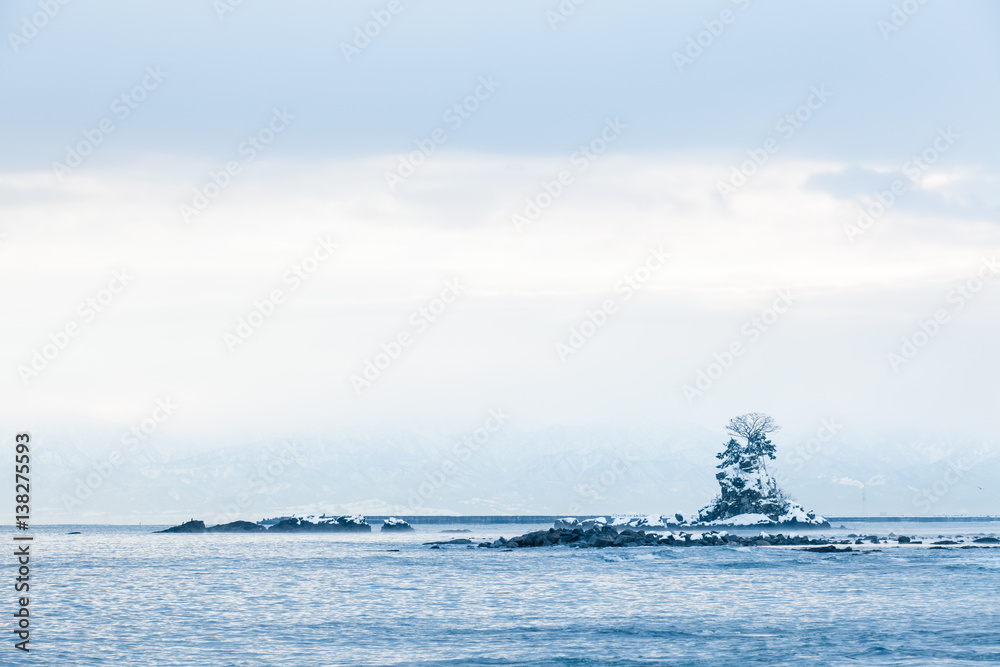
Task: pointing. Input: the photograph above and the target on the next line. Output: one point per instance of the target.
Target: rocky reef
(600, 536)
(312, 523)
(609, 536)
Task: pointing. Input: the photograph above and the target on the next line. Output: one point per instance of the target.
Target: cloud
(526, 291)
(957, 193)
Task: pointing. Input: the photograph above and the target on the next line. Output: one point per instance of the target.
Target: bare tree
(752, 426)
(755, 427)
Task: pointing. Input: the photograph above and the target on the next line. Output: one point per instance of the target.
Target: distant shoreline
(435, 519)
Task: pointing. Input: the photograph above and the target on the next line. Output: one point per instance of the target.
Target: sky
(596, 216)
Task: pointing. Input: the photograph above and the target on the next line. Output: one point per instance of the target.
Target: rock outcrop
(192, 526)
(749, 494)
(392, 524)
(237, 527)
(354, 523)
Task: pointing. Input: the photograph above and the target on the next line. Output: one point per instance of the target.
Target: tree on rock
(746, 485)
(754, 427)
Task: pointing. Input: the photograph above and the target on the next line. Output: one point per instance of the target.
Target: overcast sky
(618, 121)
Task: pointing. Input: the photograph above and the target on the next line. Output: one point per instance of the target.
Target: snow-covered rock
(394, 524)
(749, 494)
(312, 522)
(795, 515)
(744, 520)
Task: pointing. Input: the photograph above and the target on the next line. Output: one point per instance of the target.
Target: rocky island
(749, 494)
(749, 497)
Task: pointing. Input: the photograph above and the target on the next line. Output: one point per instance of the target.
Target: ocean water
(124, 596)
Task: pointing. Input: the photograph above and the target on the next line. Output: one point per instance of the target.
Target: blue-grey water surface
(124, 596)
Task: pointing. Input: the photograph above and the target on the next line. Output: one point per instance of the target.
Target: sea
(122, 595)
